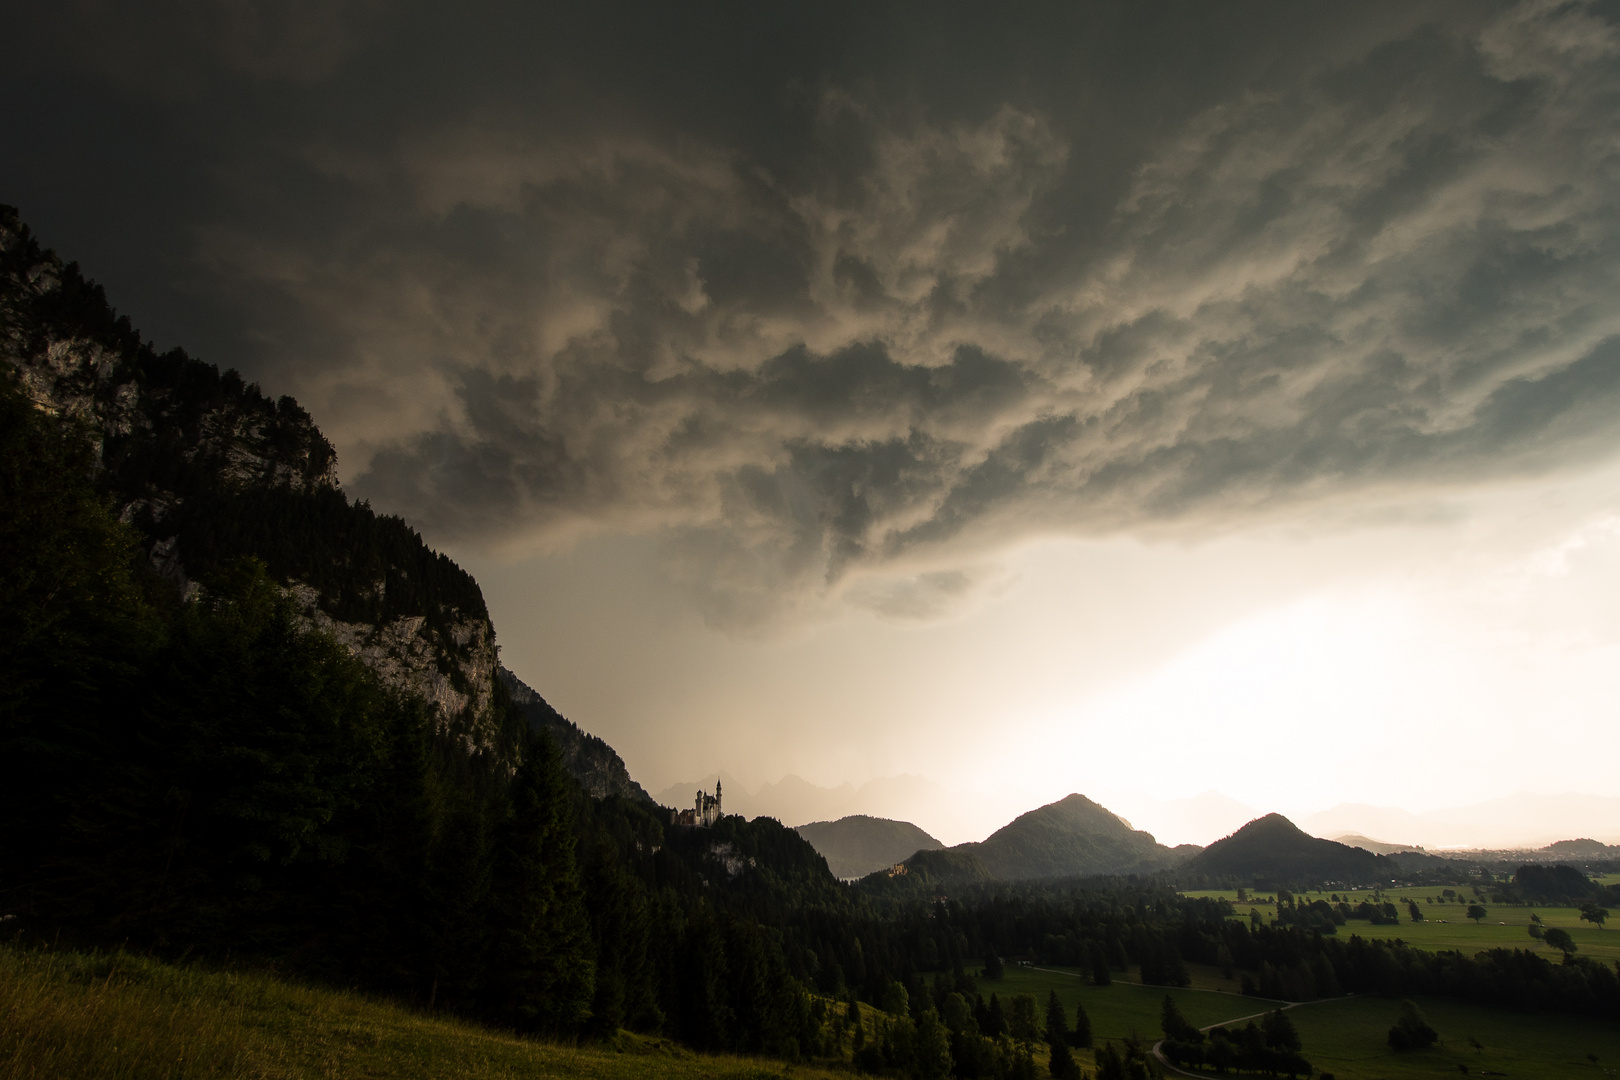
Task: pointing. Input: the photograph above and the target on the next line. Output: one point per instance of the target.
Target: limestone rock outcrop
(209, 468)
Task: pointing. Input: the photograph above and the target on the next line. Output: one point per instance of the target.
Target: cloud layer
(836, 324)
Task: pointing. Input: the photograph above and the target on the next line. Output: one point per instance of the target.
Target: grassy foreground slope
(68, 1016)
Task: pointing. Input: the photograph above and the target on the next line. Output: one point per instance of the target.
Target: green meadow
(1346, 1036)
(1122, 1009)
(73, 1016)
(1446, 924)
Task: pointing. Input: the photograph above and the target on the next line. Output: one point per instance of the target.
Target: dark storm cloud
(834, 301)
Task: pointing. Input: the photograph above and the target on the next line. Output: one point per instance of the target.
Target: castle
(705, 810)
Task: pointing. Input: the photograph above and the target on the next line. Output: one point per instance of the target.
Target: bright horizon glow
(1452, 656)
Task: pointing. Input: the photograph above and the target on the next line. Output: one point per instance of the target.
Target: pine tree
(1280, 1031)
(1100, 975)
(1080, 1037)
(1057, 1024)
(1110, 1066)
(933, 1054)
(998, 1018)
(387, 898)
(542, 939)
(1173, 1024)
(461, 873)
(1062, 1064)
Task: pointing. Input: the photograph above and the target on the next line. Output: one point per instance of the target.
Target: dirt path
(1159, 1054)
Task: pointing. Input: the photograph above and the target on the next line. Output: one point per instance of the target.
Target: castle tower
(706, 807)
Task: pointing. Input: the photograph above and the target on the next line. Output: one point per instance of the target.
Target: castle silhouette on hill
(705, 810)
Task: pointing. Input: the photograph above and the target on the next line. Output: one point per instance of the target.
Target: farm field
(1346, 1036)
(101, 1017)
(1446, 924)
(1123, 1008)
(1458, 932)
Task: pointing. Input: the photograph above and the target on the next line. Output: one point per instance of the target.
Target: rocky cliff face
(407, 654)
(209, 468)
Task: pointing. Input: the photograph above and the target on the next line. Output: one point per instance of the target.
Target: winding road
(1158, 1053)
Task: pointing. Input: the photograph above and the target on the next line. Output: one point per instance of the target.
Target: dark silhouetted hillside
(1582, 849)
(595, 764)
(1273, 848)
(1073, 837)
(857, 845)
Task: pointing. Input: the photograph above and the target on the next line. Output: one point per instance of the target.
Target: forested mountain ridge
(1274, 849)
(588, 759)
(1072, 837)
(208, 469)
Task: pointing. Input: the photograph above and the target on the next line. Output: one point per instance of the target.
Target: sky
(1128, 398)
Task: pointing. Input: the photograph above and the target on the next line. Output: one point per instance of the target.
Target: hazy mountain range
(1073, 837)
(939, 811)
(1521, 820)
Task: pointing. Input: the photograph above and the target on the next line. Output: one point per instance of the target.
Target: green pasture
(1122, 1007)
(1502, 928)
(1347, 1038)
(1446, 924)
(1121, 1010)
(121, 1017)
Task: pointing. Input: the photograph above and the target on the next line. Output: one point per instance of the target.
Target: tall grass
(68, 1015)
(117, 1016)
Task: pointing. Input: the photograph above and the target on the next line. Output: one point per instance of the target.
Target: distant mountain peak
(1072, 837)
(1273, 826)
(1273, 848)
